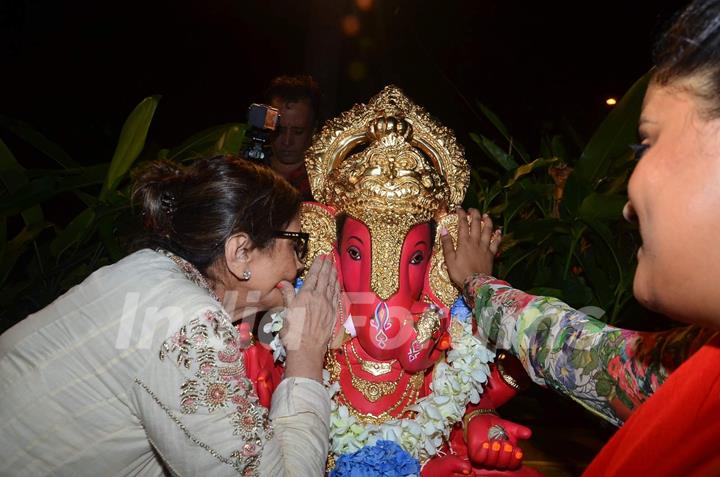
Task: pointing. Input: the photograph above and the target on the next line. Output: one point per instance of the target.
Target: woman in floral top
(608, 370)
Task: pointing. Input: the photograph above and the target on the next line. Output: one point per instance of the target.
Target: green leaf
(602, 206)
(576, 293)
(13, 176)
(74, 233)
(559, 149)
(603, 231)
(510, 260)
(498, 209)
(576, 190)
(107, 228)
(225, 138)
(87, 199)
(525, 196)
(528, 168)
(98, 171)
(495, 120)
(36, 139)
(130, 144)
(571, 134)
(614, 135)
(46, 187)
(546, 148)
(17, 246)
(494, 152)
(489, 196)
(232, 140)
(603, 288)
(538, 230)
(619, 183)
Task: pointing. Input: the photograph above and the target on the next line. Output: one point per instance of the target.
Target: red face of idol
(385, 327)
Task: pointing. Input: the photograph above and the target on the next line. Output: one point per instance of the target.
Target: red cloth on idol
(676, 432)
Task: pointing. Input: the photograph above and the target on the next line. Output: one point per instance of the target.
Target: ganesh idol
(407, 368)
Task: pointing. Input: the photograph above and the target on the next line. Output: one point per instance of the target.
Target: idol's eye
(354, 253)
(417, 258)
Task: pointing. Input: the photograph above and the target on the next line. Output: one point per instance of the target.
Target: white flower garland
(277, 320)
(457, 381)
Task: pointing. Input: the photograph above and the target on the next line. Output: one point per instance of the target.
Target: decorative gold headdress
(389, 164)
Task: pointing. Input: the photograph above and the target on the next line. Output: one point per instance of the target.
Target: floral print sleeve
(608, 370)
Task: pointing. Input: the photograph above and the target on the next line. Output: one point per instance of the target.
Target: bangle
(473, 414)
(509, 380)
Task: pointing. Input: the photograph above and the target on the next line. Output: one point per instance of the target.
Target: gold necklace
(372, 367)
(332, 365)
(341, 313)
(370, 389)
(409, 396)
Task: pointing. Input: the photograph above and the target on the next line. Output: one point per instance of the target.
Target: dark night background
(75, 69)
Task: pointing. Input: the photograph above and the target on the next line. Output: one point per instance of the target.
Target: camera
(263, 121)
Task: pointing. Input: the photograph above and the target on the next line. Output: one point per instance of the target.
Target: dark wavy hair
(291, 89)
(192, 210)
(690, 49)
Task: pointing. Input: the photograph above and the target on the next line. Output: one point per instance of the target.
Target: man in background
(297, 98)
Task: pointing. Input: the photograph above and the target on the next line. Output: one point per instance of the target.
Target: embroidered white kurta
(135, 372)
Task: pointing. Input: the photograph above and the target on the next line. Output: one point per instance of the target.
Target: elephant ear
(438, 281)
(319, 221)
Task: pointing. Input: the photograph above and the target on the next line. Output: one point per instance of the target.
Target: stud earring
(246, 275)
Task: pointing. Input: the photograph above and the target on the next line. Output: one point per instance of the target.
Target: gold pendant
(373, 391)
(372, 367)
(376, 369)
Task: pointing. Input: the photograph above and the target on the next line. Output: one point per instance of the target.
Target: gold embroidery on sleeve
(216, 381)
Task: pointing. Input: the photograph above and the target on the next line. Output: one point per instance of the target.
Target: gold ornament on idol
(372, 390)
(409, 395)
(376, 368)
(390, 165)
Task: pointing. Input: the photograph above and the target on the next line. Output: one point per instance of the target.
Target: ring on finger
(497, 433)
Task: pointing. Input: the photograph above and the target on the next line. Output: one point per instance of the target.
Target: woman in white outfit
(139, 369)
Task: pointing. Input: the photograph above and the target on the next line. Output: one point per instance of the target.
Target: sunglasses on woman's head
(300, 240)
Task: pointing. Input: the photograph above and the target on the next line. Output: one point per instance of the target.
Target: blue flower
(460, 311)
(385, 458)
(565, 370)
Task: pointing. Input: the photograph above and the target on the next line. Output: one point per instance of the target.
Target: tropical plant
(41, 258)
(562, 212)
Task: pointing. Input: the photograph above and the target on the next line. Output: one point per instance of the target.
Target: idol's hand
(447, 466)
(309, 320)
(258, 367)
(476, 248)
(492, 442)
